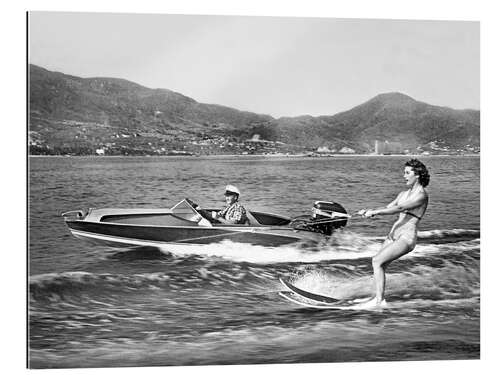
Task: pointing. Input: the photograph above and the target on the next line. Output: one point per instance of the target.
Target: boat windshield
(184, 210)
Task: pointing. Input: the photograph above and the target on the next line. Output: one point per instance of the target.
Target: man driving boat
(233, 212)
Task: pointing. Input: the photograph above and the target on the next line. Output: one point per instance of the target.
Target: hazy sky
(276, 66)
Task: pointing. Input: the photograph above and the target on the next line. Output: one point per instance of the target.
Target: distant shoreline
(253, 156)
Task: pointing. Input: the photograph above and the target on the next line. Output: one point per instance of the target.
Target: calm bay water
(96, 306)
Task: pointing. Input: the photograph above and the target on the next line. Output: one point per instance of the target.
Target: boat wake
(342, 245)
(342, 266)
(446, 276)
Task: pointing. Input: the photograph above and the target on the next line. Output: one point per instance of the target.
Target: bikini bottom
(408, 234)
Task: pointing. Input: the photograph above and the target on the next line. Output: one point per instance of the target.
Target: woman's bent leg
(386, 255)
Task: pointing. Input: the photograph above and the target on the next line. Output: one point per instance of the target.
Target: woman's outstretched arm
(394, 207)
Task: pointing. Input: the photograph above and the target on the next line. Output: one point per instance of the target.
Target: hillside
(76, 115)
(88, 113)
(392, 117)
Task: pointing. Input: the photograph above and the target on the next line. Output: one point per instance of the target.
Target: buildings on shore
(145, 144)
(388, 148)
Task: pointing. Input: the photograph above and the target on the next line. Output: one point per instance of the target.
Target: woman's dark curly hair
(420, 170)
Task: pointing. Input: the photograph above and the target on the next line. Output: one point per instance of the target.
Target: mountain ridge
(83, 114)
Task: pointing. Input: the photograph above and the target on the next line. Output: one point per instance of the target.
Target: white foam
(49, 277)
(427, 249)
(440, 233)
(341, 246)
(238, 252)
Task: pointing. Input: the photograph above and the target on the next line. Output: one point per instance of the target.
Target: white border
(14, 175)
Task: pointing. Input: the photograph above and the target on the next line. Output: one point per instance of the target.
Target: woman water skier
(402, 238)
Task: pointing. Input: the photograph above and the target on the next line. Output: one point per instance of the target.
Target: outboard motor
(324, 218)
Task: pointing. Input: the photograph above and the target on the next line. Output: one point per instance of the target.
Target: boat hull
(122, 235)
(181, 225)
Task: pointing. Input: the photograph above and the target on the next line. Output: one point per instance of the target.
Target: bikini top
(412, 214)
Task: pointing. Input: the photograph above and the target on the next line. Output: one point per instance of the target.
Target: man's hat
(231, 189)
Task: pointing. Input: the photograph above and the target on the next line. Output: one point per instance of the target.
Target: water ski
(339, 305)
(295, 298)
(304, 293)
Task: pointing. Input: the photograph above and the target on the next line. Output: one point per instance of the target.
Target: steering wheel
(204, 213)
